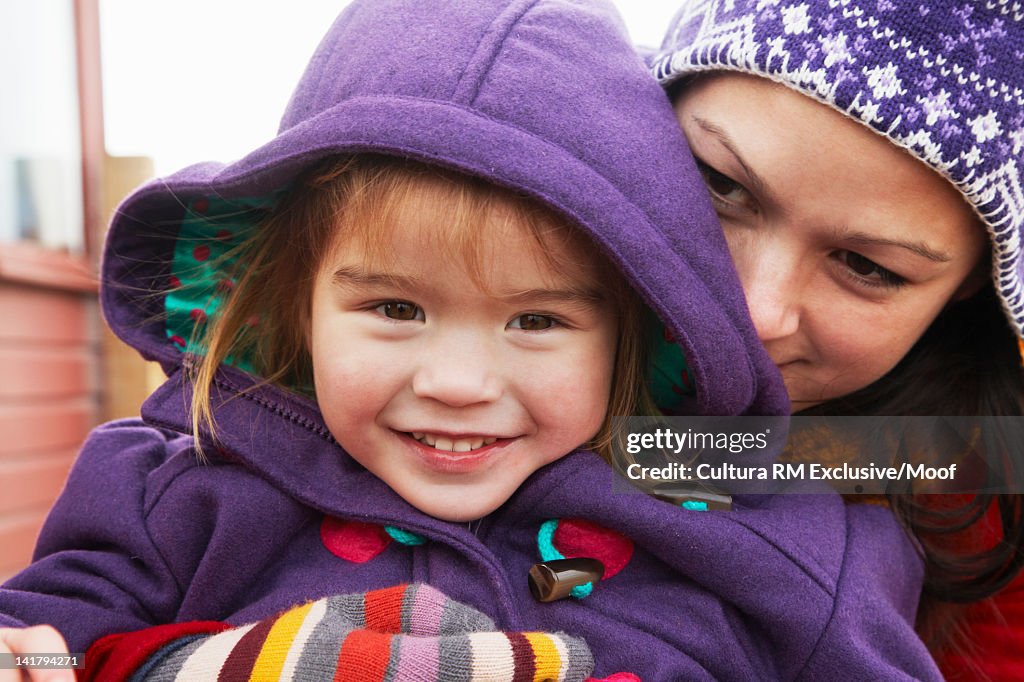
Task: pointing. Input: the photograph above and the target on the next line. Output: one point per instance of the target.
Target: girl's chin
(455, 506)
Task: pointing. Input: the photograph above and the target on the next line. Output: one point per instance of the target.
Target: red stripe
(522, 657)
(115, 658)
(384, 609)
(238, 666)
(364, 656)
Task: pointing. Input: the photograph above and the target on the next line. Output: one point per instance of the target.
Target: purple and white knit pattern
(945, 80)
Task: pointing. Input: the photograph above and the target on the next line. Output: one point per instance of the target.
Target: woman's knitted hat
(944, 80)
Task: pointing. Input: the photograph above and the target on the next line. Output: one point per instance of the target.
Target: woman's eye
(722, 186)
(400, 310)
(532, 322)
(868, 270)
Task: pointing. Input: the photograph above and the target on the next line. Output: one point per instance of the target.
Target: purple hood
(544, 97)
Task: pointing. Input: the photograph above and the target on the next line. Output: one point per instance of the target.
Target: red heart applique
(353, 541)
(579, 538)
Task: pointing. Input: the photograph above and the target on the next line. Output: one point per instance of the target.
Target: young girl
(387, 334)
(865, 162)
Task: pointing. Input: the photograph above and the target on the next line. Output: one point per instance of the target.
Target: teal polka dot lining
(204, 255)
(669, 377)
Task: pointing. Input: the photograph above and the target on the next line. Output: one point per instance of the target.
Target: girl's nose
(458, 375)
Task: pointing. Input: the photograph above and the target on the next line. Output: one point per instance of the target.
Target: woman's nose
(458, 371)
(771, 283)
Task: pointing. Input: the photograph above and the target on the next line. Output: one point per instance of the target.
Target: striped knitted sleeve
(404, 633)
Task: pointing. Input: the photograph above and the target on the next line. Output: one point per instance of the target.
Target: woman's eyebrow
(756, 181)
(920, 248)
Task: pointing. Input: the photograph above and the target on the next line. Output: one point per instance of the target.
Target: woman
(865, 162)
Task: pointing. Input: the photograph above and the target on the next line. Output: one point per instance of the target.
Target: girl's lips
(454, 462)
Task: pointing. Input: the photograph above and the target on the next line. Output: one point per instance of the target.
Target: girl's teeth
(442, 443)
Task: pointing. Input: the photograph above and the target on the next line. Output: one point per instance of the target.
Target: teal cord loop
(404, 537)
(548, 552)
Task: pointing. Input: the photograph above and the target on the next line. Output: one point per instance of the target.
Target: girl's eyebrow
(348, 276)
(581, 296)
(723, 138)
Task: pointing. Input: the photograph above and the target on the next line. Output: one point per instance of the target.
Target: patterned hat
(944, 80)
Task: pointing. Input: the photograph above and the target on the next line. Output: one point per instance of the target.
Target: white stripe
(563, 653)
(492, 656)
(313, 618)
(206, 661)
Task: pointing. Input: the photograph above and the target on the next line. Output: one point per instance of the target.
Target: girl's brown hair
(267, 313)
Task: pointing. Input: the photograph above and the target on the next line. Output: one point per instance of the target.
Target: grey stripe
(168, 668)
(351, 607)
(454, 658)
(581, 662)
(319, 658)
(408, 599)
(458, 617)
(392, 669)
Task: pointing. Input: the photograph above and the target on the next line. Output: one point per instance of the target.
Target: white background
(199, 80)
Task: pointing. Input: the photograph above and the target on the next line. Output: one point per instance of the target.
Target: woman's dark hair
(966, 364)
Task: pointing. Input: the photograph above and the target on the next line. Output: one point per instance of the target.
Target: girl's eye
(869, 271)
(532, 322)
(400, 310)
(723, 188)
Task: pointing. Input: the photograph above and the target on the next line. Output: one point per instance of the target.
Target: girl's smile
(443, 369)
(453, 443)
(457, 456)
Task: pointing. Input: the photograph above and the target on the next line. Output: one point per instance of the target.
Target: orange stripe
(278, 643)
(384, 609)
(545, 656)
(363, 656)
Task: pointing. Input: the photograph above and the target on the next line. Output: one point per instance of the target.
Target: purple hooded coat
(548, 98)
